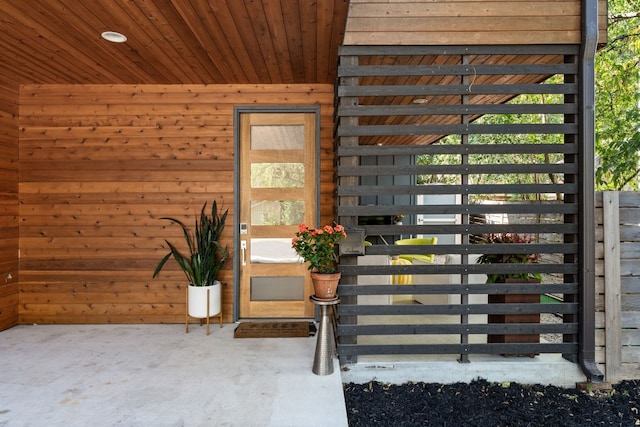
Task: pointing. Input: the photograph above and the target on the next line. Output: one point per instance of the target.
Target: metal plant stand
(323, 359)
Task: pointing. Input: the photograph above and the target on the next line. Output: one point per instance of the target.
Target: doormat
(274, 330)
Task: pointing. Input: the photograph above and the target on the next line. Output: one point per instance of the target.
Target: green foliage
(617, 114)
(440, 159)
(617, 98)
(206, 255)
(509, 257)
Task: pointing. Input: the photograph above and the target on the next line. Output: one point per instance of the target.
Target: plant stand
(202, 320)
(323, 359)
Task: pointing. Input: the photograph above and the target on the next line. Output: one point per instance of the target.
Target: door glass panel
(288, 288)
(277, 212)
(273, 251)
(277, 175)
(277, 137)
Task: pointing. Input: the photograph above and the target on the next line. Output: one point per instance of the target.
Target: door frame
(237, 112)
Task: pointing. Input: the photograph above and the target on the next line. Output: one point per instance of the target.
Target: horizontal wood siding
(9, 203)
(101, 164)
(464, 22)
(618, 285)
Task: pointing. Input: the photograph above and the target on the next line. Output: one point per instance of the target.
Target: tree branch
(621, 38)
(623, 16)
(628, 180)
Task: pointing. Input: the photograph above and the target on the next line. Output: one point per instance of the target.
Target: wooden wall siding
(464, 22)
(618, 285)
(9, 205)
(100, 164)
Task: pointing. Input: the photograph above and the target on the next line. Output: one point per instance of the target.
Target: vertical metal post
(587, 194)
(464, 180)
(348, 201)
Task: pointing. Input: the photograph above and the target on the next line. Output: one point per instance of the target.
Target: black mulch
(481, 403)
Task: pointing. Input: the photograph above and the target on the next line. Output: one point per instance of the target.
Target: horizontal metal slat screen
(451, 151)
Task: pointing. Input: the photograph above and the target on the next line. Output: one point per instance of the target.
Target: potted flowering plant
(317, 246)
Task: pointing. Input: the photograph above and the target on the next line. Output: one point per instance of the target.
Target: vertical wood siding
(101, 164)
(467, 22)
(9, 203)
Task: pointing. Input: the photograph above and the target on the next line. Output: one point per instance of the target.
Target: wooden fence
(618, 285)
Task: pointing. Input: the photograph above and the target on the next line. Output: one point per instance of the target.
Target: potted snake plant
(202, 262)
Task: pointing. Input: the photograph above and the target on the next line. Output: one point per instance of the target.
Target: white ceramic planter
(198, 300)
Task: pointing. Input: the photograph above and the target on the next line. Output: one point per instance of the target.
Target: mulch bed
(481, 403)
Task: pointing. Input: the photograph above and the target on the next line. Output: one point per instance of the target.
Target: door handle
(243, 248)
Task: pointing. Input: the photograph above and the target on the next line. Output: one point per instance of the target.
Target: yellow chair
(419, 241)
(401, 279)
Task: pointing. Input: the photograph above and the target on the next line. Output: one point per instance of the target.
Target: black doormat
(274, 330)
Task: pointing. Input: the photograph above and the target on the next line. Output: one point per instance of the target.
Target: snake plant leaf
(206, 256)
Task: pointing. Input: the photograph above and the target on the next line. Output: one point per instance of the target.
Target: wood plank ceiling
(170, 41)
(201, 42)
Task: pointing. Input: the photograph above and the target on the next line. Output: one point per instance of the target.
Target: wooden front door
(278, 188)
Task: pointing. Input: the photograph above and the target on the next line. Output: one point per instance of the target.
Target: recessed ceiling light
(419, 101)
(114, 37)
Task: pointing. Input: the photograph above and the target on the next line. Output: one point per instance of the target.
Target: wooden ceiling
(170, 41)
(202, 42)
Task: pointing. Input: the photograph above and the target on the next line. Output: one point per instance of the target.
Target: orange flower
(317, 246)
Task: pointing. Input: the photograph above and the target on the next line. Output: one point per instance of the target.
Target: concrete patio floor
(156, 375)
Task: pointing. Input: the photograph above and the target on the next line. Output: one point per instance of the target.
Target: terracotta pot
(325, 284)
